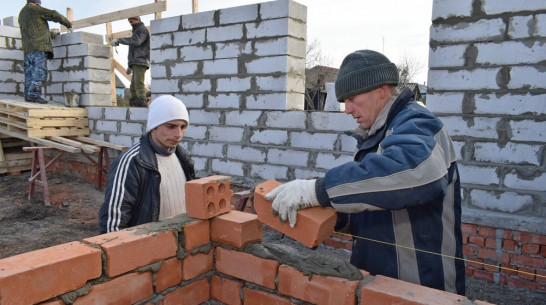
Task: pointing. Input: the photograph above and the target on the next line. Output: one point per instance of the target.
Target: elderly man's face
(168, 135)
(365, 107)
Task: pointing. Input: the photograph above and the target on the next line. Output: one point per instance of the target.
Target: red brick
(247, 267)
(509, 269)
(197, 264)
(491, 267)
(39, 275)
(537, 262)
(475, 263)
(240, 199)
(485, 231)
(543, 250)
(529, 237)
(319, 290)
(483, 276)
(507, 234)
(57, 302)
(491, 243)
(530, 248)
(541, 276)
(509, 245)
(487, 254)
(526, 273)
(476, 240)
(191, 294)
(469, 228)
(383, 290)
(468, 250)
(522, 284)
(505, 257)
(225, 290)
(236, 229)
(254, 297)
(169, 274)
(135, 287)
(208, 197)
(313, 226)
(151, 248)
(468, 272)
(196, 234)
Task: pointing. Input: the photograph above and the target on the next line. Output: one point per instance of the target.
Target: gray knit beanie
(363, 71)
(34, 1)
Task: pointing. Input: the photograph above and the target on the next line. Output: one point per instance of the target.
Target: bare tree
(408, 67)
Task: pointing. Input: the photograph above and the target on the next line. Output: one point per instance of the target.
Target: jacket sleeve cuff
(320, 190)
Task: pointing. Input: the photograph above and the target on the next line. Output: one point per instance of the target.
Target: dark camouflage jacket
(35, 29)
(139, 46)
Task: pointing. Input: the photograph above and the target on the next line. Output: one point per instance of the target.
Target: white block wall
(487, 82)
(81, 64)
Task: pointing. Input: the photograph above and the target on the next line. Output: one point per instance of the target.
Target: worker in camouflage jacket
(138, 60)
(36, 38)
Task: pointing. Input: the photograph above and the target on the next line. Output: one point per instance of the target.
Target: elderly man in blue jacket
(400, 197)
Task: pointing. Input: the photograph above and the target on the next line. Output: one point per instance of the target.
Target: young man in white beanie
(400, 198)
(147, 182)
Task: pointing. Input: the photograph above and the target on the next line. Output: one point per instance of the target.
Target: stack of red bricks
(184, 260)
(505, 256)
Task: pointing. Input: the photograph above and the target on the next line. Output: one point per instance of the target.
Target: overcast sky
(396, 28)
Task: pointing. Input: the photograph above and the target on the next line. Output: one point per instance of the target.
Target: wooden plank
(44, 142)
(122, 70)
(57, 122)
(2, 157)
(18, 156)
(101, 143)
(120, 15)
(45, 132)
(74, 143)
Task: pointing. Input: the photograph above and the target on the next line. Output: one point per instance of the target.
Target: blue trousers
(35, 73)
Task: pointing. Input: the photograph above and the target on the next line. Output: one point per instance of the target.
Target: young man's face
(168, 135)
(365, 107)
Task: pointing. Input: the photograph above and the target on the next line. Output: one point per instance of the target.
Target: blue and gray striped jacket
(401, 193)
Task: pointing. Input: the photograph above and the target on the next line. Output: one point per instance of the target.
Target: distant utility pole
(195, 4)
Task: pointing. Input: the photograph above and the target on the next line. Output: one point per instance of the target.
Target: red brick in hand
(208, 197)
(313, 225)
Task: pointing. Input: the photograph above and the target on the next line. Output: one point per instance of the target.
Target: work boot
(38, 100)
(138, 102)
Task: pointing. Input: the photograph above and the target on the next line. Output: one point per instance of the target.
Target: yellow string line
(439, 254)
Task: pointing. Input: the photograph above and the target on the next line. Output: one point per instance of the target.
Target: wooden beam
(69, 16)
(113, 96)
(120, 15)
(86, 147)
(195, 6)
(121, 70)
(158, 14)
(100, 143)
(44, 142)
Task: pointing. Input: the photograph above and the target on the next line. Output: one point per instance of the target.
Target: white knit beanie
(166, 108)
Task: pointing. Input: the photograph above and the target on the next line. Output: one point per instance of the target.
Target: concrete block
(303, 139)
(207, 149)
(282, 9)
(510, 104)
(443, 9)
(55, 88)
(8, 87)
(521, 27)
(123, 140)
(185, 38)
(11, 21)
(245, 118)
(232, 49)
(60, 52)
(96, 100)
(72, 86)
(236, 229)
(282, 83)
(184, 69)
(479, 127)
(160, 56)
(527, 78)
(90, 62)
(116, 114)
(232, 168)
(540, 25)
(511, 153)
(196, 85)
(286, 119)
(205, 117)
(329, 160)
(224, 101)
(95, 113)
(492, 7)
(221, 67)
(134, 129)
(208, 197)
(97, 88)
(11, 76)
(287, 157)
(12, 54)
(268, 102)
(275, 28)
(226, 134)
(481, 175)
(159, 41)
(528, 130)
(158, 71)
(513, 181)
(198, 20)
(281, 46)
(265, 171)
(447, 56)
(306, 173)
(477, 79)
(496, 53)
(266, 136)
(81, 38)
(164, 86)
(233, 84)
(332, 121)
(225, 33)
(272, 64)
(195, 101)
(238, 14)
(88, 50)
(196, 132)
(138, 114)
(313, 225)
(9, 31)
(509, 202)
(250, 154)
(164, 25)
(482, 30)
(196, 53)
(449, 102)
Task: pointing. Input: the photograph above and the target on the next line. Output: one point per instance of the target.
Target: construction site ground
(27, 225)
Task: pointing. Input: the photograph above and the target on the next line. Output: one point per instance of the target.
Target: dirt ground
(27, 225)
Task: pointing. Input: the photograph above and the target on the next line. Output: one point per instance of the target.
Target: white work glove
(114, 42)
(291, 197)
